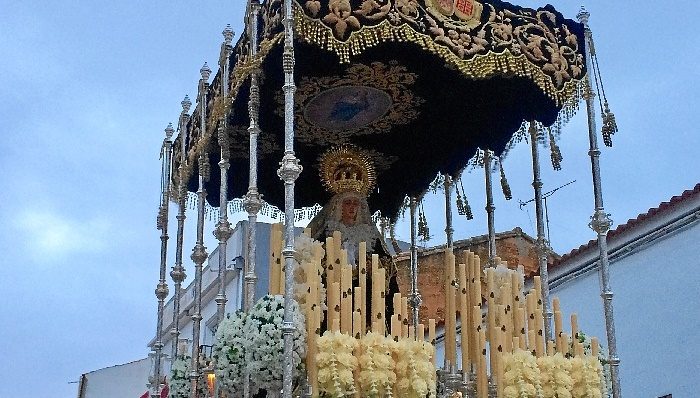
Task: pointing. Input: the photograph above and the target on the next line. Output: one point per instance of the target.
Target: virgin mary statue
(349, 175)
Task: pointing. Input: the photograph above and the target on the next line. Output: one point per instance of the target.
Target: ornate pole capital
(290, 168)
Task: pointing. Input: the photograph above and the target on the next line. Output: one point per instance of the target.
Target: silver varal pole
(252, 201)
(449, 230)
(542, 245)
(162, 287)
(178, 271)
(289, 171)
(600, 221)
(490, 208)
(223, 227)
(199, 252)
(415, 295)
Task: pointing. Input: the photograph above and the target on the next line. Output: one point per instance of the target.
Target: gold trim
(479, 66)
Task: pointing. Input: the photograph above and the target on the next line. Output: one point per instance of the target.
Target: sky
(88, 87)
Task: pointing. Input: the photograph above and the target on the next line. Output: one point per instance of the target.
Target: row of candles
(513, 320)
(499, 320)
(346, 305)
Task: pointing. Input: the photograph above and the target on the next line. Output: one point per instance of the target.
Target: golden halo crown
(347, 168)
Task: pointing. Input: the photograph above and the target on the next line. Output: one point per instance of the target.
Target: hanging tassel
(468, 209)
(460, 205)
(423, 230)
(463, 208)
(609, 125)
(555, 153)
(504, 182)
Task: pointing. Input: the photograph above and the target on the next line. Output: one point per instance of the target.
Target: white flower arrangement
(555, 376)
(377, 375)
(336, 364)
(521, 378)
(264, 346)
(180, 384)
(415, 372)
(228, 353)
(586, 373)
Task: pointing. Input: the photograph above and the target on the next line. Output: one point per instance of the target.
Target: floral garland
(229, 354)
(377, 376)
(555, 376)
(415, 372)
(521, 378)
(264, 347)
(336, 364)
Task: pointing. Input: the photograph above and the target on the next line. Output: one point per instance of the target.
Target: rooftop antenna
(546, 212)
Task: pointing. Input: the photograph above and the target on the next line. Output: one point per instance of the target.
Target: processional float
(420, 87)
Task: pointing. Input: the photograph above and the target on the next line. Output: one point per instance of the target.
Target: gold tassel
(609, 125)
(555, 153)
(504, 182)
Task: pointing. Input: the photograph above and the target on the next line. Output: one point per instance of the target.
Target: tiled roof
(634, 222)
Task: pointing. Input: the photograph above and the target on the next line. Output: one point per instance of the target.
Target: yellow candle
(550, 348)
(520, 316)
(357, 325)
(337, 246)
(537, 281)
(421, 332)
(482, 380)
(531, 344)
(336, 325)
(335, 309)
(556, 304)
(464, 316)
(404, 321)
(507, 340)
(346, 299)
(330, 261)
(451, 355)
(578, 348)
(431, 337)
(362, 275)
(382, 299)
(574, 326)
(397, 306)
(395, 327)
(539, 343)
(595, 347)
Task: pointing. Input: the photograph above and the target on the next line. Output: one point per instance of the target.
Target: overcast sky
(88, 87)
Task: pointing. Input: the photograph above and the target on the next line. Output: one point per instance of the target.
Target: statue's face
(350, 206)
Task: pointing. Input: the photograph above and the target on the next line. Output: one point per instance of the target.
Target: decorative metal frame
(289, 171)
(178, 272)
(252, 201)
(162, 286)
(223, 230)
(199, 252)
(415, 298)
(490, 208)
(542, 247)
(449, 230)
(600, 221)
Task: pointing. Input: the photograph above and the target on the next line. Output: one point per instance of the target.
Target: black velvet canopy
(420, 85)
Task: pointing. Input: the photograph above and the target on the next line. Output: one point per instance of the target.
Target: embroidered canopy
(418, 84)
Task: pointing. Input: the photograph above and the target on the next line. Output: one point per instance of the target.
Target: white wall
(657, 294)
(121, 381)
